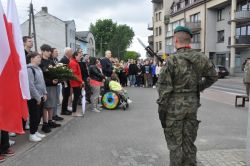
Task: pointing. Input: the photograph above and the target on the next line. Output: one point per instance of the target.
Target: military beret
(183, 29)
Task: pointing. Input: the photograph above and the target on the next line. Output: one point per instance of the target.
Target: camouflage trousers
(180, 136)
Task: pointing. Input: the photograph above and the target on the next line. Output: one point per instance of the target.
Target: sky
(135, 13)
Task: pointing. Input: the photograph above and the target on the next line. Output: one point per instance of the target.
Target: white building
(52, 30)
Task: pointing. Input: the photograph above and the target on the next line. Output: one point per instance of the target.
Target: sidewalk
(23, 145)
(232, 157)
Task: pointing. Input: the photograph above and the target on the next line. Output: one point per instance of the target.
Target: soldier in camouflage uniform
(181, 80)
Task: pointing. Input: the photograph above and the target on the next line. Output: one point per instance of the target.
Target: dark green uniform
(181, 80)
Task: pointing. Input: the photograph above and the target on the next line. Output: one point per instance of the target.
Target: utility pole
(32, 19)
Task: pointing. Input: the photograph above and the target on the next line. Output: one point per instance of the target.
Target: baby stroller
(111, 99)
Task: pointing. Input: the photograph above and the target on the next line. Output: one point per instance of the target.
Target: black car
(221, 71)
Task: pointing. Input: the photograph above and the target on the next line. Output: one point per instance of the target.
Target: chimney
(45, 9)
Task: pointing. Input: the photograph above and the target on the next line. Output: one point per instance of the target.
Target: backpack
(33, 71)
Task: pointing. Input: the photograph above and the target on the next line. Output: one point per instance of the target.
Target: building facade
(52, 30)
(212, 23)
(86, 41)
(157, 41)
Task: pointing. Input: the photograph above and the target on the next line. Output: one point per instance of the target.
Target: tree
(109, 35)
(130, 55)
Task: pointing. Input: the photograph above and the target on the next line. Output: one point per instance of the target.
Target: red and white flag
(13, 107)
(12, 18)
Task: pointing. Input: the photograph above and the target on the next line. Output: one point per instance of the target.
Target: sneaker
(69, 108)
(2, 159)
(9, 153)
(66, 113)
(57, 118)
(40, 135)
(95, 110)
(12, 134)
(34, 138)
(11, 142)
(46, 128)
(129, 101)
(53, 124)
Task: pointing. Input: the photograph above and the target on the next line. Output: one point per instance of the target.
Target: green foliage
(131, 55)
(110, 36)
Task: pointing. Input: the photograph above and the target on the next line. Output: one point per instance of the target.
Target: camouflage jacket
(186, 73)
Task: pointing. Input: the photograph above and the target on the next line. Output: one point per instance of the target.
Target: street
(134, 137)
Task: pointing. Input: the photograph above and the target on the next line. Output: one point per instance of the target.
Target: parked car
(221, 71)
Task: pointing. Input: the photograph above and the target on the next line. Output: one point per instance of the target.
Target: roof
(83, 34)
(42, 12)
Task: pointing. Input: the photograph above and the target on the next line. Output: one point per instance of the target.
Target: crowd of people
(91, 74)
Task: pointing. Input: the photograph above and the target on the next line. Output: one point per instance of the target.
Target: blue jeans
(132, 79)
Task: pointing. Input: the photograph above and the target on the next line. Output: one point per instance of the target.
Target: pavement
(135, 138)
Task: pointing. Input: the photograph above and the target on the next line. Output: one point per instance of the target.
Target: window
(159, 16)
(196, 38)
(244, 6)
(195, 17)
(187, 2)
(160, 45)
(156, 17)
(170, 27)
(243, 31)
(178, 6)
(182, 5)
(219, 15)
(220, 36)
(156, 31)
(169, 41)
(156, 46)
(181, 22)
(159, 31)
(237, 31)
(175, 8)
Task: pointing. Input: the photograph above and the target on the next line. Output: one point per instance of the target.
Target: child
(114, 85)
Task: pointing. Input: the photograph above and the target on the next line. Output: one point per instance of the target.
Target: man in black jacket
(107, 66)
(85, 76)
(66, 86)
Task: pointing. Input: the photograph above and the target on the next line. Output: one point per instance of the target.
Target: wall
(49, 30)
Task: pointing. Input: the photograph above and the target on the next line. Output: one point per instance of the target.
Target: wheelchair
(111, 99)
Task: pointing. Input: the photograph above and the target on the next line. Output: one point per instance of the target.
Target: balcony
(242, 16)
(194, 26)
(151, 39)
(166, 19)
(241, 41)
(150, 27)
(196, 46)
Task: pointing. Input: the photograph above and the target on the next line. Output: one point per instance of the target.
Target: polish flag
(13, 106)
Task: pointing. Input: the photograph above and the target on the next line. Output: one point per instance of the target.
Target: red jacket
(75, 67)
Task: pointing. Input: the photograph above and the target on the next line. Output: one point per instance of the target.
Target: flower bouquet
(61, 72)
